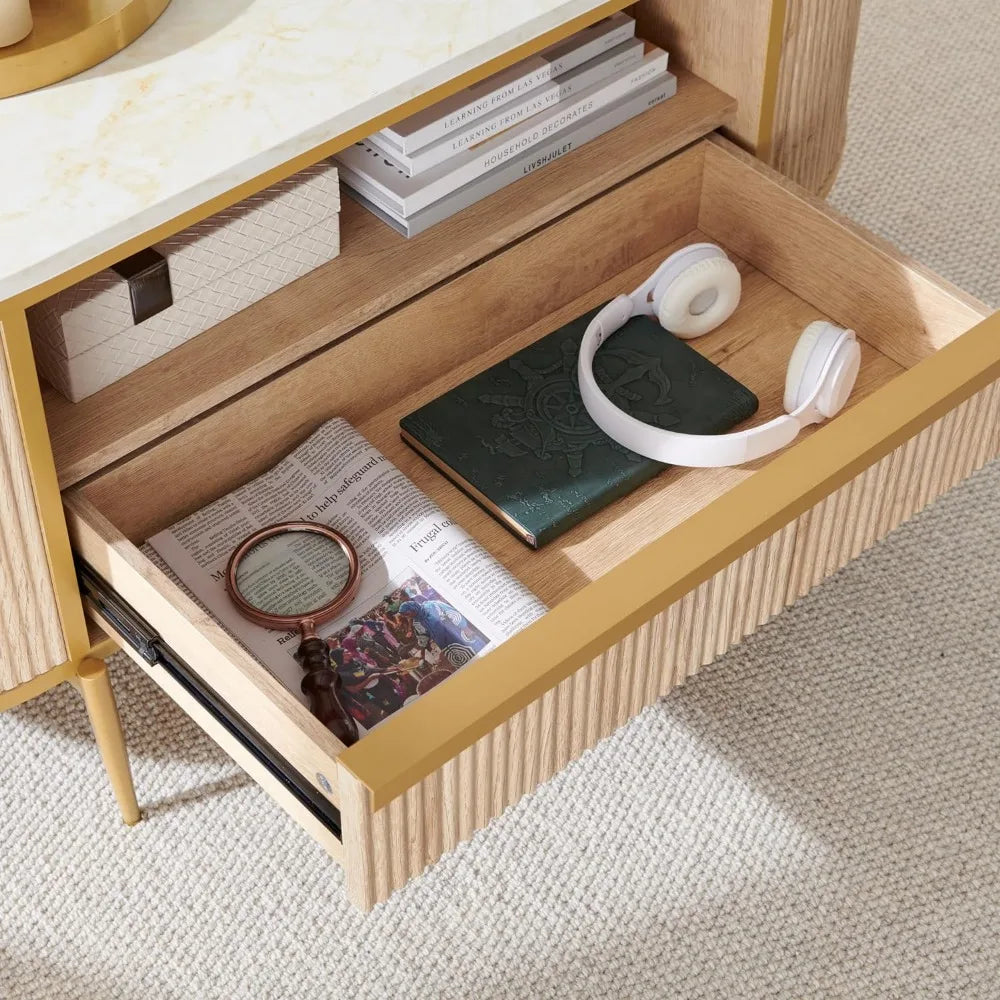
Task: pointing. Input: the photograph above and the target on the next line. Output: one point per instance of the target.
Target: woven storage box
(86, 336)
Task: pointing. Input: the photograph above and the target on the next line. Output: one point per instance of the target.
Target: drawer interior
(800, 262)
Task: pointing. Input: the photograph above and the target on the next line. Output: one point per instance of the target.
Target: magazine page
(430, 599)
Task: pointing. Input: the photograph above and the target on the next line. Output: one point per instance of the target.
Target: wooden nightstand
(642, 594)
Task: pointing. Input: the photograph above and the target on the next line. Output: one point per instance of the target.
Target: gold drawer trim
(632, 593)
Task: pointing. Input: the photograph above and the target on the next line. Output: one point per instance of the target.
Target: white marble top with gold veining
(215, 93)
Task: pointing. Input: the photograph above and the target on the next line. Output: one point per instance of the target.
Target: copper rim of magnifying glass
(315, 617)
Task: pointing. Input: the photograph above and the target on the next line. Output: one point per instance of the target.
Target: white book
(614, 61)
(564, 142)
(457, 111)
(407, 195)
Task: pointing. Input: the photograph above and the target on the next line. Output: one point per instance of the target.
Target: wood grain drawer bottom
(645, 592)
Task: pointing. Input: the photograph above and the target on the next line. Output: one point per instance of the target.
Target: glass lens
(293, 573)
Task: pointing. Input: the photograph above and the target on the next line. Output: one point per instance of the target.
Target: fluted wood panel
(723, 42)
(31, 635)
(791, 86)
(810, 114)
(863, 511)
(385, 849)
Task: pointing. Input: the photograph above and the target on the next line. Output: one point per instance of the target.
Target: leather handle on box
(148, 276)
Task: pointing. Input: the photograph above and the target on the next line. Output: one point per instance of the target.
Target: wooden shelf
(377, 270)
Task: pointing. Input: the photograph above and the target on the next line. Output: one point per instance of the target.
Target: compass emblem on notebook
(549, 419)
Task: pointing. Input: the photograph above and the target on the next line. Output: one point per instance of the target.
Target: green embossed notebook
(517, 439)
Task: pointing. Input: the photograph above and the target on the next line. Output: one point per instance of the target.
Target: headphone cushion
(674, 297)
(798, 362)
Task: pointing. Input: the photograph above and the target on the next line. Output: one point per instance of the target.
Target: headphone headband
(824, 378)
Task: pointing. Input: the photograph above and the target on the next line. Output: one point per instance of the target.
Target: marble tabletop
(215, 93)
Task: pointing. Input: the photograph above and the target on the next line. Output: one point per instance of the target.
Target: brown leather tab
(148, 278)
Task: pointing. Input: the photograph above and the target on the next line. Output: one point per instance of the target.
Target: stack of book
(452, 154)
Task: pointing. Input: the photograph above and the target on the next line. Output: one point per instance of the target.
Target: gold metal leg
(95, 686)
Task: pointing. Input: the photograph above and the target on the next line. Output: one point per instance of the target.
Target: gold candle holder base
(70, 36)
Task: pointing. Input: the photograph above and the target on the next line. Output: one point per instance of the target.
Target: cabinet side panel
(788, 64)
(399, 840)
(31, 634)
(723, 42)
(810, 115)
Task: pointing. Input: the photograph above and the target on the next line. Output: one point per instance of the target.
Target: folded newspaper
(431, 598)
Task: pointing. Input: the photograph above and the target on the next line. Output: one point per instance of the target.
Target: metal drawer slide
(144, 639)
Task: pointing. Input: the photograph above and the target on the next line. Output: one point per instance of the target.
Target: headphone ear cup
(703, 296)
(809, 360)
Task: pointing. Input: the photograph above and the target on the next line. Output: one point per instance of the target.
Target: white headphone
(693, 291)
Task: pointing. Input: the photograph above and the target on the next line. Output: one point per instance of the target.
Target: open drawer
(643, 593)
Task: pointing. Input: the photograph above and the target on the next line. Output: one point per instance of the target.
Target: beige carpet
(817, 815)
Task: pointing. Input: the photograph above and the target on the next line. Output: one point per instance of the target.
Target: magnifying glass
(300, 575)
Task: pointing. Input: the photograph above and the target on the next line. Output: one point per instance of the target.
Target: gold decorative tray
(70, 36)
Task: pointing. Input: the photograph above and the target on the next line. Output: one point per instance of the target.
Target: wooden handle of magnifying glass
(321, 685)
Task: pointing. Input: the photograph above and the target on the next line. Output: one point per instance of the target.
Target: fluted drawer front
(436, 814)
(31, 633)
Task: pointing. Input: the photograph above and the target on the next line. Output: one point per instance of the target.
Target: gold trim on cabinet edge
(772, 75)
(13, 697)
